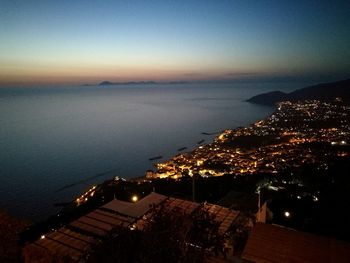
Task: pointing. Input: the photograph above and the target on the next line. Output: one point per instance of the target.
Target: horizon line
(258, 79)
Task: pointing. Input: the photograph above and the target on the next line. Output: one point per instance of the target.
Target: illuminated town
(297, 133)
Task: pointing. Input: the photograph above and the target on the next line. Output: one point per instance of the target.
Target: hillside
(324, 91)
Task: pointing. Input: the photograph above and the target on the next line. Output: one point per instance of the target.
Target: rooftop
(272, 243)
(75, 239)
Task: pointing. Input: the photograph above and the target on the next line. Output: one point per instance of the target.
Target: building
(276, 244)
(74, 241)
(246, 203)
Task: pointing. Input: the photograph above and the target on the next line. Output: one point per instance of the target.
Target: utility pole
(193, 188)
(259, 206)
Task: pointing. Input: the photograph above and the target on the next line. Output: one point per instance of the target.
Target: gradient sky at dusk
(72, 42)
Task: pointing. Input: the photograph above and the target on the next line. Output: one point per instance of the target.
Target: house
(74, 241)
(276, 244)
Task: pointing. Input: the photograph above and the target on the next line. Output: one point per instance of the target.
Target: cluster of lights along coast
(287, 139)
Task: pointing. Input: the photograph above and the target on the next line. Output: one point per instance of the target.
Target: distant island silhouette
(324, 91)
(109, 83)
(106, 83)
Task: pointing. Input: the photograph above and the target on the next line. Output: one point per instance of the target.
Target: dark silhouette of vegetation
(10, 228)
(168, 236)
(240, 231)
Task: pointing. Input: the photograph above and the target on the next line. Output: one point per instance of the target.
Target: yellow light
(134, 198)
(222, 137)
(286, 214)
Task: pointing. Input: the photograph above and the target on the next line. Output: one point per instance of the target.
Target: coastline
(137, 179)
(264, 149)
(112, 144)
(143, 178)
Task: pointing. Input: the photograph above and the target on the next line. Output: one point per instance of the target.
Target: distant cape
(324, 91)
(110, 83)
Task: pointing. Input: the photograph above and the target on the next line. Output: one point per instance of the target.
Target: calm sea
(59, 136)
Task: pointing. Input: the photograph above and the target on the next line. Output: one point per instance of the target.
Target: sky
(76, 42)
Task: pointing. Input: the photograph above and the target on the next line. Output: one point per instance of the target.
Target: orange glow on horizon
(75, 75)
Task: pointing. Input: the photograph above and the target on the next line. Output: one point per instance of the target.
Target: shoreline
(296, 151)
(102, 149)
(199, 144)
(62, 204)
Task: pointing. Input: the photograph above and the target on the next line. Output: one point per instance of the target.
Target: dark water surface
(54, 137)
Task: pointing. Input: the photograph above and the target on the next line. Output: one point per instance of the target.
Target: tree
(10, 228)
(240, 232)
(169, 235)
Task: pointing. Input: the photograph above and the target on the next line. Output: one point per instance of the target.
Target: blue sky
(68, 42)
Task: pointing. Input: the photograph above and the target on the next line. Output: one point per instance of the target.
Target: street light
(134, 198)
(287, 214)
